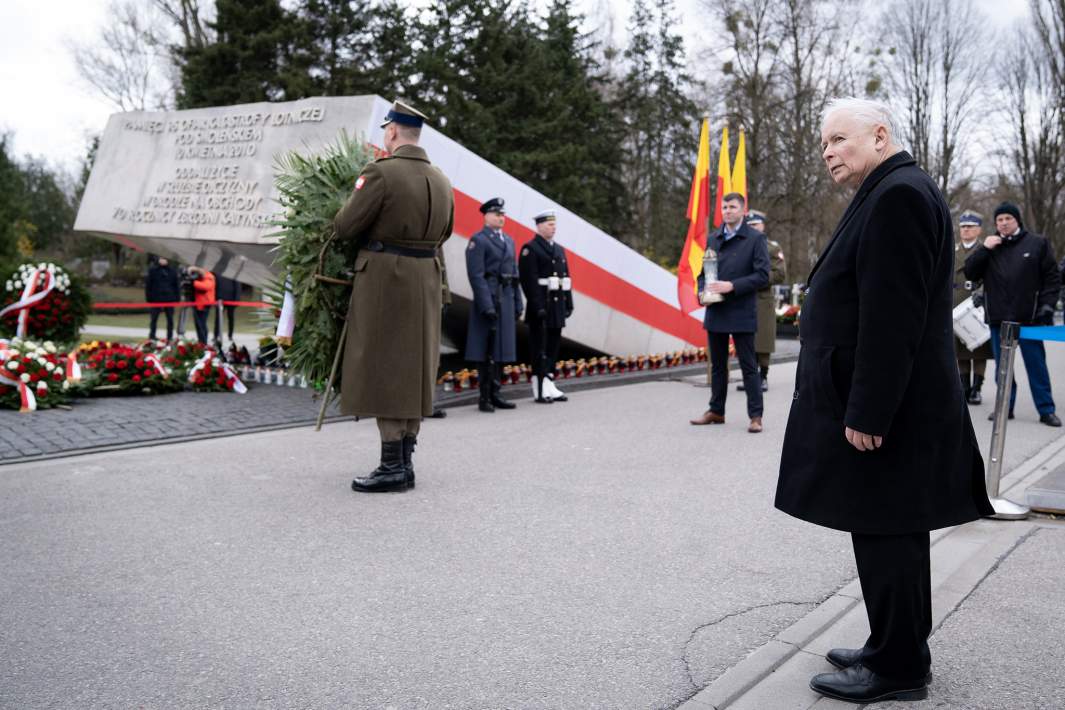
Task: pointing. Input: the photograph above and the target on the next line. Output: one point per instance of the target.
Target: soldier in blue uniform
(497, 304)
(546, 282)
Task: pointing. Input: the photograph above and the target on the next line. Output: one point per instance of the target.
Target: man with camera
(1021, 284)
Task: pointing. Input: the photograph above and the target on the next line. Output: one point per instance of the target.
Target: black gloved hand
(978, 298)
(491, 315)
(1045, 316)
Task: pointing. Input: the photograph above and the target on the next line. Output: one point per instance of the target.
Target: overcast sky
(52, 114)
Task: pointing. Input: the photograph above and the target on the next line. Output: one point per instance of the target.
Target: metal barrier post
(1004, 509)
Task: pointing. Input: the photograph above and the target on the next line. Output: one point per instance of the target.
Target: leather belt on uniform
(375, 245)
(504, 279)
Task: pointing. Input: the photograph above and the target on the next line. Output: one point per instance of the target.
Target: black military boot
(485, 386)
(390, 475)
(409, 442)
(974, 393)
(497, 399)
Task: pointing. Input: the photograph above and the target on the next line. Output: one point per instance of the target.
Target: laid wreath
(43, 302)
(32, 375)
(212, 374)
(317, 267)
(121, 369)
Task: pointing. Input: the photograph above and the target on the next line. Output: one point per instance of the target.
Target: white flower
(42, 385)
(41, 361)
(12, 365)
(10, 286)
(49, 346)
(66, 385)
(49, 366)
(25, 377)
(18, 284)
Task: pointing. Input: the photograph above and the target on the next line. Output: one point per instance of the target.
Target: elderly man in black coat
(879, 442)
(742, 269)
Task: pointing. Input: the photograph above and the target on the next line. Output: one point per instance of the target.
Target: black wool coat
(743, 260)
(541, 259)
(161, 284)
(877, 355)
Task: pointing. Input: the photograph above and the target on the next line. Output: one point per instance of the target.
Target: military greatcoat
(765, 338)
(878, 356)
(491, 264)
(393, 343)
(963, 288)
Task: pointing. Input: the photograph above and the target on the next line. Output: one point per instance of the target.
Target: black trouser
(200, 314)
(896, 578)
(488, 379)
(543, 347)
(752, 381)
(230, 314)
(153, 320)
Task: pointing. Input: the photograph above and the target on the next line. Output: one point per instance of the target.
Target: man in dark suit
(742, 269)
(879, 441)
(492, 267)
(161, 286)
(545, 280)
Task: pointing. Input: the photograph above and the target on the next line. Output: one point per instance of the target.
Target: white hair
(869, 112)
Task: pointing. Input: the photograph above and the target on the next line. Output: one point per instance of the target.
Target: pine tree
(244, 63)
(331, 49)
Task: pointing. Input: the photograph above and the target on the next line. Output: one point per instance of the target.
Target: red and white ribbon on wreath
(73, 368)
(154, 360)
(27, 402)
(238, 386)
(30, 297)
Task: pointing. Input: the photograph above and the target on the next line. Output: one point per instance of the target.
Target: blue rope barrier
(1043, 332)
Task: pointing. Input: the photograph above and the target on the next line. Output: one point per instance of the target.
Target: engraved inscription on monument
(216, 189)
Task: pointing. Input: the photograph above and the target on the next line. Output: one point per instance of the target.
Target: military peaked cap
(546, 216)
(404, 115)
(493, 205)
(755, 217)
(971, 219)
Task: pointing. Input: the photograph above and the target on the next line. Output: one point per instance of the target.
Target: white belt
(554, 283)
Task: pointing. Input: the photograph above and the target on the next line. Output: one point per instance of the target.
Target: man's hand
(719, 287)
(993, 241)
(862, 442)
(491, 315)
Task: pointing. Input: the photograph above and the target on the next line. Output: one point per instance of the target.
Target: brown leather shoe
(755, 426)
(709, 417)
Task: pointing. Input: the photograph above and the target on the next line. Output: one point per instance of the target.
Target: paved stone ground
(597, 553)
(112, 422)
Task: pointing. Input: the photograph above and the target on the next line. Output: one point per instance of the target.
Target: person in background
(1021, 284)
(225, 290)
(203, 288)
(765, 338)
(971, 363)
(161, 285)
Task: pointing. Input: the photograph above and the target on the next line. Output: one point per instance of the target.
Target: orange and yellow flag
(724, 177)
(739, 169)
(691, 257)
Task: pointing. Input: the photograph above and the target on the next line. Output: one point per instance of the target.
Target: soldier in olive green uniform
(765, 338)
(401, 211)
(971, 363)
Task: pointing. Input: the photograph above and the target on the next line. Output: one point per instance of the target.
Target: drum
(969, 324)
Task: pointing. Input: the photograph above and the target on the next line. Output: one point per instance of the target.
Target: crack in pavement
(731, 615)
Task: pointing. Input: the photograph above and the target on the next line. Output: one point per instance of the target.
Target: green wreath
(316, 267)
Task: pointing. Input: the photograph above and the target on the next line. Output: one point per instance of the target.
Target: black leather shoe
(500, 403)
(765, 384)
(1050, 419)
(544, 400)
(439, 413)
(409, 442)
(858, 684)
(847, 657)
(485, 406)
(390, 475)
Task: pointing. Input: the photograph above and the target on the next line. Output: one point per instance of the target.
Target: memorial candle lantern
(707, 297)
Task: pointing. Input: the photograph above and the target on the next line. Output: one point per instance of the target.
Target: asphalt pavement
(599, 553)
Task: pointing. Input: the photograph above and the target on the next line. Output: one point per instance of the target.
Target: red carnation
(136, 378)
(112, 377)
(148, 373)
(139, 362)
(57, 376)
(122, 364)
(110, 365)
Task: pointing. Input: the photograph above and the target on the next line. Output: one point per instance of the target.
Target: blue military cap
(971, 219)
(755, 217)
(404, 115)
(493, 205)
(545, 216)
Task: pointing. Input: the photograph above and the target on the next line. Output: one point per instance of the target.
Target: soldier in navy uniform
(492, 268)
(546, 282)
